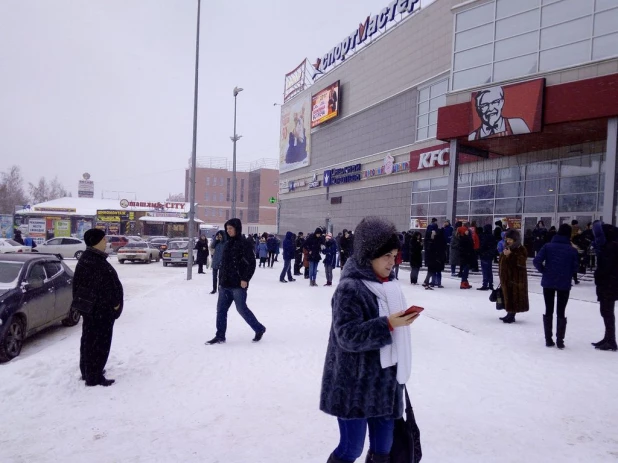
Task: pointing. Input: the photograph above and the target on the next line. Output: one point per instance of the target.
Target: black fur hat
(374, 237)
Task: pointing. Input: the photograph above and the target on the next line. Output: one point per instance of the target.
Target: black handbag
(83, 305)
(498, 297)
(406, 437)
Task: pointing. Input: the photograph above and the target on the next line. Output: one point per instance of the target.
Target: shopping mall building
(477, 110)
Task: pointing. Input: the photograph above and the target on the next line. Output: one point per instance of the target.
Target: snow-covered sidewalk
(483, 391)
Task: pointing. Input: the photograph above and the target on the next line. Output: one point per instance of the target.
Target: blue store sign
(344, 175)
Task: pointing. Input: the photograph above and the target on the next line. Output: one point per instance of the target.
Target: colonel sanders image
(489, 104)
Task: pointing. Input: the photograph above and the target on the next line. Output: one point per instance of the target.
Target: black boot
(610, 334)
(334, 459)
(548, 323)
(510, 318)
(560, 332)
(377, 458)
(213, 291)
(258, 335)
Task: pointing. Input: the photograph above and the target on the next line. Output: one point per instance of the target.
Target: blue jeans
(465, 270)
(437, 279)
(238, 296)
(488, 276)
(313, 270)
(287, 264)
(352, 437)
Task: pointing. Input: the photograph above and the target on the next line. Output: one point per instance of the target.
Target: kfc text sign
(429, 158)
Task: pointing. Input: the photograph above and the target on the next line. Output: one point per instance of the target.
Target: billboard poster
(503, 111)
(6, 226)
(82, 227)
(37, 229)
(325, 105)
(62, 228)
(85, 189)
(295, 136)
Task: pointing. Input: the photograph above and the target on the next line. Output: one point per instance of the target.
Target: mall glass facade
(554, 191)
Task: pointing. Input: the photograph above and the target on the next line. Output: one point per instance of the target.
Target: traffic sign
(272, 200)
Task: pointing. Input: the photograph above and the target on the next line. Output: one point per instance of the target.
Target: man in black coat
(202, 254)
(347, 246)
(97, 282)
(298, 253)
(237, 268)
(314, 244)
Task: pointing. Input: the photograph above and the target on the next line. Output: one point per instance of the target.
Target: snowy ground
(483, 391)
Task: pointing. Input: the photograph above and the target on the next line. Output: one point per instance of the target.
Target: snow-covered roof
(89, 206)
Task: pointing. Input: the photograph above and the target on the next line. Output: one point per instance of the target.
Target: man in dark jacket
(314, 245)
(606, 280)
(557, 261)
(98, 294)
(347, 247)
(237, 268)
(448, 236)
(298, 253)
(216, 250)
(330, 258)
(271, 243)
(498, 235)
(202, 254)
(288, 255)
(487, 252)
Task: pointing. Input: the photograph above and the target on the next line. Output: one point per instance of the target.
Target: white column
(453, 179)
(611, 185)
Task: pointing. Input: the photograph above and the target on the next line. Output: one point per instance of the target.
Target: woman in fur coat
(514, 276)
(368, 359)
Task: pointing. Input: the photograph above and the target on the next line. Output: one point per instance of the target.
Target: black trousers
(298, 262)
(563, 298)
(96, 342)
(215, 275)
(414, 274)
(200, 268)
(609, 318)
(271, 258)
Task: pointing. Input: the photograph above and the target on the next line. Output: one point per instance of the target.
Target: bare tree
(44, 191)
(177, 198)
(12, 190)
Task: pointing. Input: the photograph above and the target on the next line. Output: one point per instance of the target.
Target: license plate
(176, 259)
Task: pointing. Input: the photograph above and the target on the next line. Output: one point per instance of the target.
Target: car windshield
(177, 245)
(12, 243)
(136, 245)
(9, 274)
(159, 241)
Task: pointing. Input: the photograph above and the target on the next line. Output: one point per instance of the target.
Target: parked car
(65, 247)
(35, 292)
(138, 251)
(160, 244)
(135, 238)
(115, 242)
(177, 253)
(8, 245)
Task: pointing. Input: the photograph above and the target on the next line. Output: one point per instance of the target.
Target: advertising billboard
(325, 105)
(62, 228)
(37, 229)
(295, 137)
(85, 189)
(503, 111)
(6, 226)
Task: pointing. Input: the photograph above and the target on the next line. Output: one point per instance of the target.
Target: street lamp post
(234, 139)
(191, 245)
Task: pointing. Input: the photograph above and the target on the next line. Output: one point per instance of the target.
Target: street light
(234, 139)
(191, 245)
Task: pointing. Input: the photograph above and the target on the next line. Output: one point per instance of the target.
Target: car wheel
(12, 339)
(164, 264)
(120, 261)
(78, 254)
(72, 318)
(149, 260)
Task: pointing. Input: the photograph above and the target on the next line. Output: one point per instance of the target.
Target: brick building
(256, 183)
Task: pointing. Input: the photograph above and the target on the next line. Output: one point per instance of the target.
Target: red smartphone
(413, 309)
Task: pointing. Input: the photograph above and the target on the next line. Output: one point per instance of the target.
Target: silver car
(177, 253)
(138, 251)
(65, 247)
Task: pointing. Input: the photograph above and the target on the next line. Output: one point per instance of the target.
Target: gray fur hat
(374, 237)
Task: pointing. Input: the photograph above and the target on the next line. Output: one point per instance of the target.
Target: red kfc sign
(429, 158)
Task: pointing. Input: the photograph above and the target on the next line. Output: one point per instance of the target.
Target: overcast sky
(106, 86)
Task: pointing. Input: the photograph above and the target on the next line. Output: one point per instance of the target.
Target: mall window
(220, 197)
(430, 98)
(207, 181)
(505, 39)
(206, 196)
(220, 212)
(428, 200)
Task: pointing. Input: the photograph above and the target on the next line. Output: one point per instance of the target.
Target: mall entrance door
(582, 218)
(530, 221)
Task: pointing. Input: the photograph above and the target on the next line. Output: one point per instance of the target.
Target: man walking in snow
(237, 268)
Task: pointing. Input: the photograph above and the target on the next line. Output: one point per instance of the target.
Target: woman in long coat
(202, 254)
(363, 383)
(606, 280)
(514, 276)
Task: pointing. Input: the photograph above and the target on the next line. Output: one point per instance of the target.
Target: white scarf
(390, 301)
